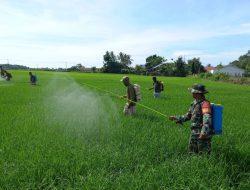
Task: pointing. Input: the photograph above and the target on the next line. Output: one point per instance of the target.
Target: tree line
(155, 65)
(158, 65)
(9, 66)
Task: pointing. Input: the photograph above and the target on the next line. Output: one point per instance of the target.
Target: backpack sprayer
(217, 110)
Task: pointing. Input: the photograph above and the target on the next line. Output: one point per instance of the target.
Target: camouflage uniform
(201, 123)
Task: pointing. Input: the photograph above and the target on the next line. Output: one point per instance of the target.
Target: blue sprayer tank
(34, 79)
(217, 118)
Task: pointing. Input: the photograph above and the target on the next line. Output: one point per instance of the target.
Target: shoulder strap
(135, 98)
(206, 107)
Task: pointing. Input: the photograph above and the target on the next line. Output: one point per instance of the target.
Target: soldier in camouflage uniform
(201, 117)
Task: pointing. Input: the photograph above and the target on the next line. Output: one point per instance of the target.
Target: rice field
(69, 132)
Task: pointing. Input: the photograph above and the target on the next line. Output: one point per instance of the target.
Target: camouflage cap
(198, 88)
(125, 78)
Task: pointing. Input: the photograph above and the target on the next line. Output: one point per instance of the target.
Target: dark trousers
(197, 145)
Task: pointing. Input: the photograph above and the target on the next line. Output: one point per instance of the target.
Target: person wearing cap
(157, 86)
(130, 106)
(200, 115)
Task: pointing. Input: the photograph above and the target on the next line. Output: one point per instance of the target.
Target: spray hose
(116, 95)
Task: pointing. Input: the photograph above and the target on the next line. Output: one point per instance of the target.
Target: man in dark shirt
(33, 78)
(157, 86)
(130, 106)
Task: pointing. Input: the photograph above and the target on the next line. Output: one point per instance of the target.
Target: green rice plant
(64, 134)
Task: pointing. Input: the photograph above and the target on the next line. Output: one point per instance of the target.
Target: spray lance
(124, 97)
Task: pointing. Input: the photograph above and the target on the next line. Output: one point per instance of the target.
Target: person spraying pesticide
(33, 78)
(157, 86)
(132, 95)
(200, 114)
(7, 75)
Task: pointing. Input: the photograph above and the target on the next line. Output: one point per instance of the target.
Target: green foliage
(180, 67)
(244, 63)
(139, 70)
(242, 80)
(121, 63)
(115, 64)
(168, 69)
(63, 134)
(195, 66)
(125, 59)
(220, 76)
(153, 60)
(215, 77)
(206, 75)
(220, 66)
(247, 72)
(224, 77)
(125, 71)
(110, 63)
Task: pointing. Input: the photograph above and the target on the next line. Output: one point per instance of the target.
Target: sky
(63, 33)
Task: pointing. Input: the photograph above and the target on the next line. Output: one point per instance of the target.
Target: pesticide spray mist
(72, 108)
(3, 82)
(2, 79)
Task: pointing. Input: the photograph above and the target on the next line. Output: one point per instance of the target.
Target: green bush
(242, 80)
(224, 77)
(202, 75)
(205, 75)
(220, 76)
(208, 75)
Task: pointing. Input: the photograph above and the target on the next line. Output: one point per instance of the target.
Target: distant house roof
(209, 68)
(87, 69)
(231, 70)
(233, 67)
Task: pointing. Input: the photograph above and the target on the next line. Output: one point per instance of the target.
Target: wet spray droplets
(76, 109)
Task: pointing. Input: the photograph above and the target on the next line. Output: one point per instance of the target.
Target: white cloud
(139, 45)
(87, 19)
(245, 26)
(223, 57)
(189, 53)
